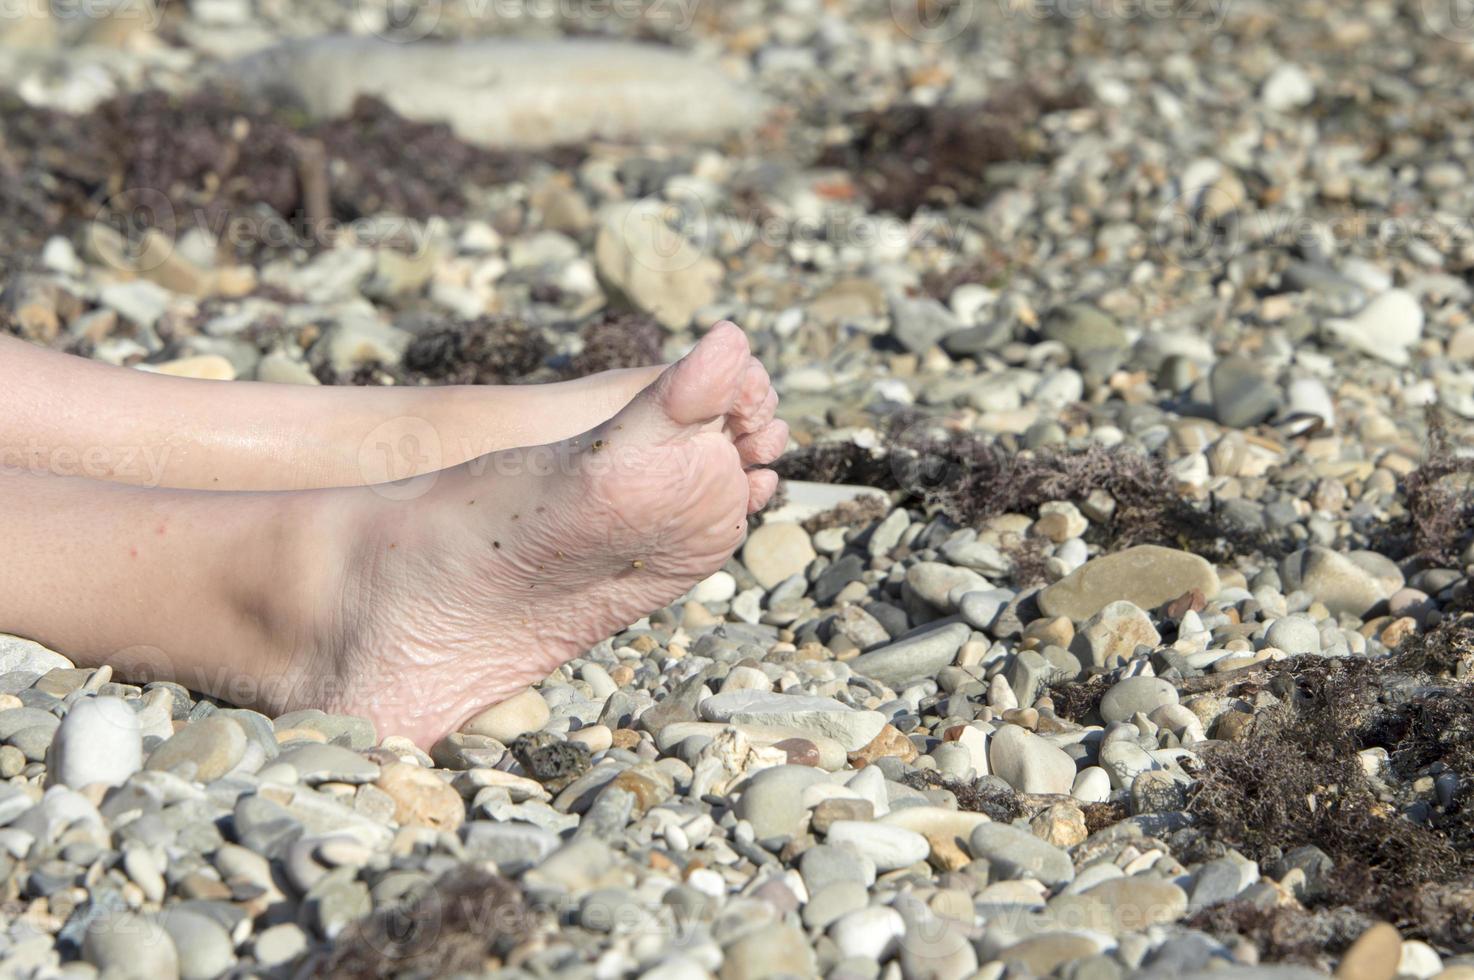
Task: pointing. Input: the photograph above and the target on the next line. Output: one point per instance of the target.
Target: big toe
(705, 384)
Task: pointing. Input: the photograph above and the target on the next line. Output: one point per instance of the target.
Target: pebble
(1028, 763)
(1385, 328)
(205, 750)
(1136, 694)
(329, 763)
(1335, 580)
(204, 947)
(129, 945)
(775, 551)
(1146, 576)
(421, 798)
(1014, 853)
(1296, 635)
(826, 717)
(1111, 636)
(772, 800)
(887, 846)
(872, 933)
(913, 657)
(519, 714)
(97, 742)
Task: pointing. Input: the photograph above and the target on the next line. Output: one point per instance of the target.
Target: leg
(414, 604)
(74, 417)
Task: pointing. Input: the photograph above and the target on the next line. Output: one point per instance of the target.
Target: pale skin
(263, 571)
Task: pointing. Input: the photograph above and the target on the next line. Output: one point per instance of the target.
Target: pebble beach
(1113, 618)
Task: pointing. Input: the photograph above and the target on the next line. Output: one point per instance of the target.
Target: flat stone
(889, 847)
(1344, 586)
(1120, 905)
(1136, 694)
(1386, 328)
(825, 865)
(935, 582)
(1014, 853)
(913, 658)
(513, 847)
(833, 901)
(213, 746)
(519, 714)
(1042, 955)
(1146, 576)
(1083, 328)
(852, 728)
(129, 945)
(804, 499)
(280, 944)
(329, 764)
(778, 951)
(99, 741)
(421, 798)
(775, 551)
(1028, 763)
(20, 654)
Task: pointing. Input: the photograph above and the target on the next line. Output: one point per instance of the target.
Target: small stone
(1385, 328)
(129, 945)
(18, 654)
(914, 657)
(1120, 905)
(1111, 636)
(772, 800)
(852, 728)
(1136, 694)
(1337, 580)
(1017, 853)
(1242, 396)
(1028, 763)
(871, 933)
(99, 741)
(1083, 328)
(1147, 576)
(1287, 87)
(279, 945)
(828, 812)
(890, 743)
(775, 551)
(329, 764)
(887, 846)
(212, 746)
(1295, 635)
(204, 947)
(421, 798)
(653, 265)
(760, 954)
(517, 715)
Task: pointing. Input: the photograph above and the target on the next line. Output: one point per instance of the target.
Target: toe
(756, 403)
(761, 485)
(764, 445)
(706, 383)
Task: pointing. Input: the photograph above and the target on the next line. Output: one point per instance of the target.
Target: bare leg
(414, 604)
(69, 416)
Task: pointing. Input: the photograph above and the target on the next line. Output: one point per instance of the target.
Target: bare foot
(514, 563)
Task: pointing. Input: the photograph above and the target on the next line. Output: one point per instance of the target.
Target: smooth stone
(1296, 635)
(772, 800)
(889, 847)
(329, 764)
(775, 551)
(824, 865)
(1287, 87)
(913, 658)
(1029, 763)
(1136, 694)
(510, 92)
(1120, 905)
(1113, 634)
(764, 954)
(204, 947)
(946, 831)
(1043, 954)
(280, 944)
(833, 901)
(936, 582)
(871, 933)
(1092, 785)
(1014, 853)
(99, 741)
(1146, 576)
(213, 745)
(1385, 328)
(1343, 585)
(981, 609)
(852, 728)
(130, 946)
(513, 847)
(1375, 955)
(519, 714)
(642, 258)
(1083, 328)
(1242, 395)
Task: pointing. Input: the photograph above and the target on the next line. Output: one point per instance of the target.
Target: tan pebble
(1374, 955)
(889, 742)
(299, 735)
(596, 737)
(1062, 825)
(1399, 631)
(625, 738)
(519, 714)
(202, 367)
(421, 798)
(623, 675)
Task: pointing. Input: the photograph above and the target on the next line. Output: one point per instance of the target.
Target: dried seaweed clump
(974, 796)
(1439, 502)
(619, 340)
(1284, 933)
(907, 157)
(487, 350)
(863, 510)
(468, 921)
(1299, 781)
